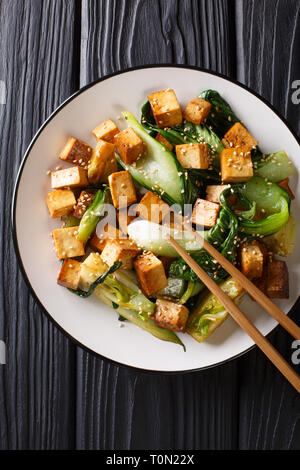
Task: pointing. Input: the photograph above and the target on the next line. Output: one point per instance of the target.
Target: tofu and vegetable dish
(118, 200)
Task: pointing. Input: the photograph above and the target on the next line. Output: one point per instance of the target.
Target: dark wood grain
(53, 394)
(121, 408)
(37, 383)
(268, 40)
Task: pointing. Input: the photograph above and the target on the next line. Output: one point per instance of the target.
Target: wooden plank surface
(53, 394)
(122, 408)
(37, 383)
(269, 37)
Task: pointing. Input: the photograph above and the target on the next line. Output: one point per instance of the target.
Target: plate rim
(15, 197)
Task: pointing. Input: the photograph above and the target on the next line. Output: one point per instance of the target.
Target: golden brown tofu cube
(150, 272)
(120, 250)
(69, 274)
(82, 204)
(60, 202)
(130, 146)
(164, 142)
(106, 131)
(103, 152)
(252, 260)
(151, 207)
(124, 219)
(277, 280)
(91, 268)
(214, 191)
(170, 315)
(193, 156)
(205, 213)
(122, 189)
(238, 136)
(70, 177)
(98, 241)
(166, 109)
(76, 152)
(197, 110)
(236, 165)
(66, 244)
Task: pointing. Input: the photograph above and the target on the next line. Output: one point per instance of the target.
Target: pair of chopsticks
(237, 314)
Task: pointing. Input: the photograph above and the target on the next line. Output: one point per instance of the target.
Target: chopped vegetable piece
(148, 325)
(93, 215)
(66, 243)
(151, 169)
(174, 290)
(151, 273)
(166, 109)
(122, 189)
(106, 131)
(76, 152)
(209, 313)
(275, 166)
(285, 185)
(282, 242)
(60, 202)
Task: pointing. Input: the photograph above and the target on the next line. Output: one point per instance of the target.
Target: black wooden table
(53, 394)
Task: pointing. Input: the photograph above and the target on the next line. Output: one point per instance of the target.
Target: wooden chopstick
(241, 319)
(257, 294)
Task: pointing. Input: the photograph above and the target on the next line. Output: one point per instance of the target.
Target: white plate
(88, 321)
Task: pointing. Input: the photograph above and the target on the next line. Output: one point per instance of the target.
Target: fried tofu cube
(166, 109)
(151, 207)
(120, 250)
(238, 136)
(60, 202)
(205, 213)
(236, 165)
(164, 142)
(193, 156)
(69, 274)
(285, 185)
(106, 131)
(124, 219)
(252, 260)
(170, 315)
(101, 154)
(91, 268)
(70, 177)
(197, 110)
(122, 189)
(82, 204)
(76, 151)
(110, 167)
(214, 191)
(150, 272)
(130, 146)
(98, 241)
(66, 244)
(277, 280)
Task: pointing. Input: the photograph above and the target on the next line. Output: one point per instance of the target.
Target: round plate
(89, 322)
